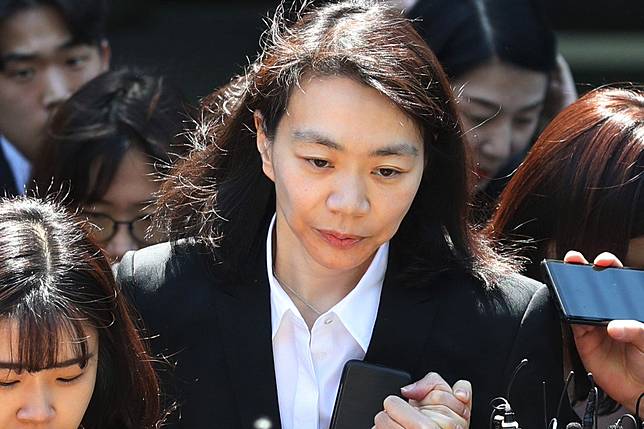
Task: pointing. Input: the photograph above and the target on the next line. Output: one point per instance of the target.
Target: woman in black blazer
(336, 166)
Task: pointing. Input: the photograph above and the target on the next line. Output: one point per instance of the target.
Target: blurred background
(200, 44)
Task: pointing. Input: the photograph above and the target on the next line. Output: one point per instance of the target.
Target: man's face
(43, 66)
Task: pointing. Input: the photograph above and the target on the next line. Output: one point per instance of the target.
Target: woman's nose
(121, 243)
(349, 196)
(37, 407)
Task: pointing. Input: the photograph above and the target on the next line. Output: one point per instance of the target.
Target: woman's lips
(339, 240)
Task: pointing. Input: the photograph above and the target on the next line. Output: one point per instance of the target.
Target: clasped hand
(433, 404)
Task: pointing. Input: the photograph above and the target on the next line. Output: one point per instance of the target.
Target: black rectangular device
(595, 295)
(363, 388)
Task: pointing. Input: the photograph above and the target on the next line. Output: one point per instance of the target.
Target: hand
(433, 404)
(614, 354)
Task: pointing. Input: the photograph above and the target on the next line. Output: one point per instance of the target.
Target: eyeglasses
(104, 227)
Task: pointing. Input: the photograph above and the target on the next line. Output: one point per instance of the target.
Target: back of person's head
(467, 33)
(108, 144)
(220, 190)
(582, 185)
(90, 134)
(86, 19)
(56, 293)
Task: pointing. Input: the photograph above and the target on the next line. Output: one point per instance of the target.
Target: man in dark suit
(48, 49)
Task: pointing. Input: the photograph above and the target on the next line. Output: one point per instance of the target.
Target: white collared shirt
(308, 365)
(19, 165)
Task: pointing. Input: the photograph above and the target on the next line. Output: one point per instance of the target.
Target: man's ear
(105, 52)
(263, 145)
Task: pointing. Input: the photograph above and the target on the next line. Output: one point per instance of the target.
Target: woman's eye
(319, 163)
(8, 383)
(67, 380)
(387, 172)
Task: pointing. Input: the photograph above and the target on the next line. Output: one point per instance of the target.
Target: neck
(320, 286)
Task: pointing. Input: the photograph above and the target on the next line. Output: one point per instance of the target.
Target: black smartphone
(363, 388)
(594, 295)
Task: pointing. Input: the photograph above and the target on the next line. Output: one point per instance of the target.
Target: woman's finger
(627, 331)
(383, 421)
(406, 415)
(574, 257)
(442, 398)
(420, 389)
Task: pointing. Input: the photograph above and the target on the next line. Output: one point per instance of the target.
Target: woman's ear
(263, 145)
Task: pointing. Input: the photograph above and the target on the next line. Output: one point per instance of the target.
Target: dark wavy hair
(53, 283)
(91, 132)
(220, 195)
(467, 33)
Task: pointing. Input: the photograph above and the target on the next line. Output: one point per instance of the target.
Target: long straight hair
(54, 282)
(220, 195)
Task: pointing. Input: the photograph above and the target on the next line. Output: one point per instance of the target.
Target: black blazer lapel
(403, 324)
(245, 320)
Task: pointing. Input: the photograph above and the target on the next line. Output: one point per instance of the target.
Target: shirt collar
(19, 165)
(357, 311)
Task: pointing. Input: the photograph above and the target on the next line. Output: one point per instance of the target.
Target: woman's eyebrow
(308, 136)
(399, 149)
(396, 149)
(13, 366)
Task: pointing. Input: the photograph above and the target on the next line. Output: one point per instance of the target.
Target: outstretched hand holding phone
(613, 353)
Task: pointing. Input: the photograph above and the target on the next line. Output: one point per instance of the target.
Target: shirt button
(328, 321)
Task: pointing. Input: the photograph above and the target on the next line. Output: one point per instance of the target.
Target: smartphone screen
(588, 294)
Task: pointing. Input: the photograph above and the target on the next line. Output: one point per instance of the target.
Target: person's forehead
(9, 339)
(339, 106)
(502, 83)
(38, 30)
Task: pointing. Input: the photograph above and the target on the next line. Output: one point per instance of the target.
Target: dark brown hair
(582, 185)
(220, 194)
(53, 283)
(91, 133)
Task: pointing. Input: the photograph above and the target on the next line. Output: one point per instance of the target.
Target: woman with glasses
(105, 145)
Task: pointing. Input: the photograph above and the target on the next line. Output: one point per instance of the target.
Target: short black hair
(86, 19)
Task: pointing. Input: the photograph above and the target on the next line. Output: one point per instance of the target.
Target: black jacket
(215, 323)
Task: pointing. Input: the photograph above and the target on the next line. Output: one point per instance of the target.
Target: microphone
(573, 425)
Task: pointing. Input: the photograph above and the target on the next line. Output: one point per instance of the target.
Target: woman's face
(499, 105)
(126, 199)
(346, 163)
(53, 398)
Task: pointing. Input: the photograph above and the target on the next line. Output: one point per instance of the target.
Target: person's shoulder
(163, 264)
(169, 281)
(509, 297)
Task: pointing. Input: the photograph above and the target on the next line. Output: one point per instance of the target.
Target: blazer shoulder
(171, 281)
(521, 294)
